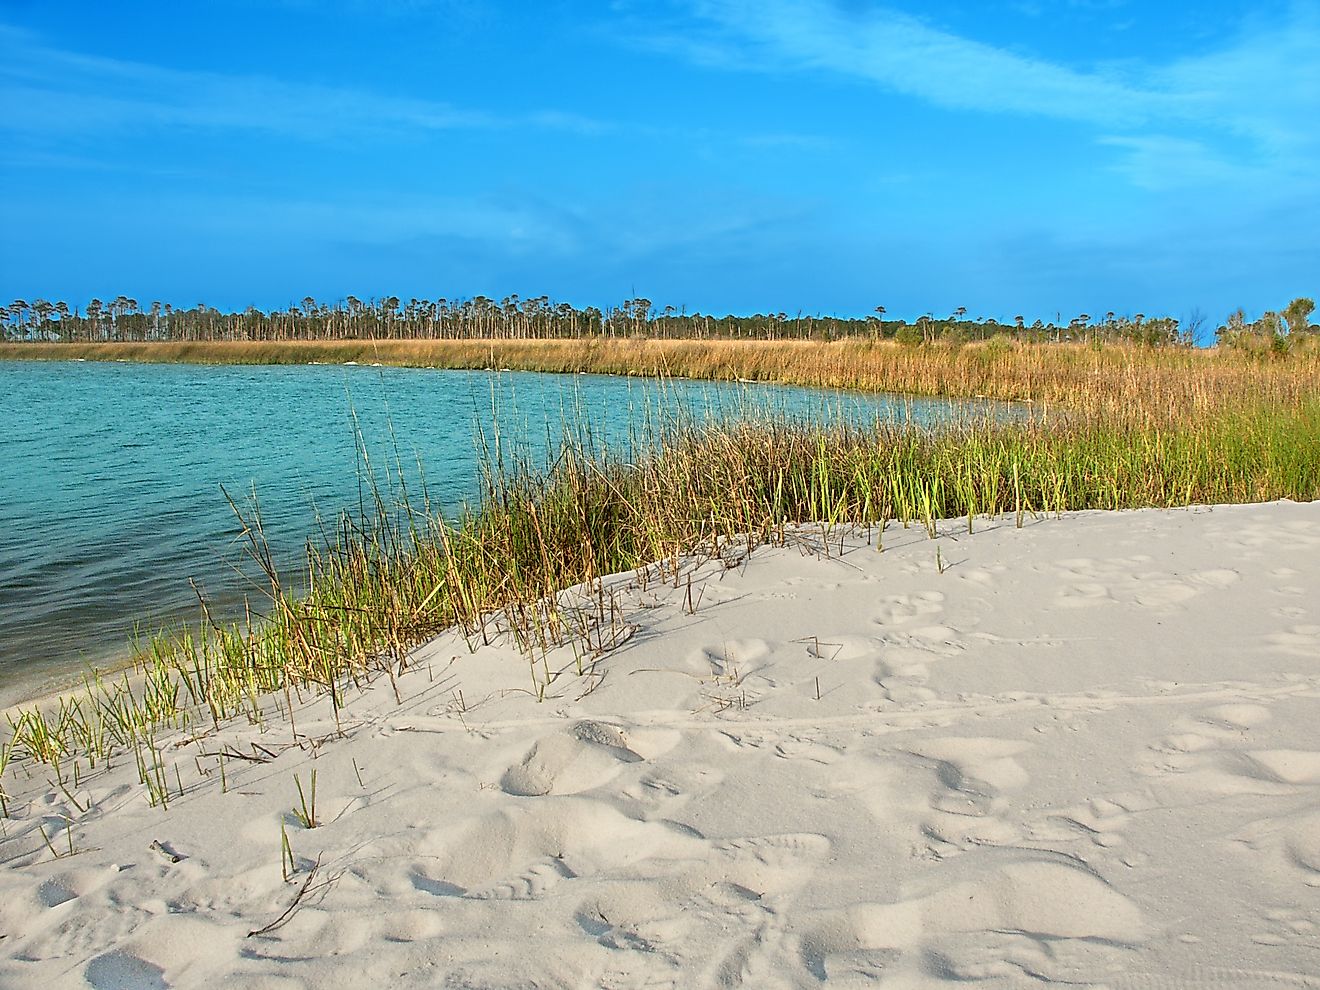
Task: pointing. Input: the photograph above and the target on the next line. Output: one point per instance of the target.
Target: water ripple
(110, 492)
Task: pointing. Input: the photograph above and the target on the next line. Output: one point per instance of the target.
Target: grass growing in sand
(1135, 430)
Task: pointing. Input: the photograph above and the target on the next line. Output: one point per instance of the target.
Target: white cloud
(53, 94)
(904, 54)
(1159, 161)
(1260, 89)
(48, 91)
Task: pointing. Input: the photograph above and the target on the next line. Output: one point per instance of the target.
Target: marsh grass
(1115, 379)
(1153, 434)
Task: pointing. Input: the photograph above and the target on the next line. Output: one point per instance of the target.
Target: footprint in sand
(1207, 732)
(1095, 575)
(902, 673)
(1084, 594)
(1288, 766)
(1088, 583)
(83, 933)
(658, 895)
(1302, 844)
(1293, 838)
(898, 610)
(766, 863)
(899, 613)
(660, 793)
(1101, 821)
(1235, 717)
(589, 754)
(839, 647)
(427, 884)
(732, 658)
(1212, 752)
(529, 885)
(740, 887)
(1300, 536)
(1160, 591)
(1288, 612)
(988, 913)
(1298, 641)
(406, 926)
(1220, 578)
(524, 851)
(1284, 925)
(796, 747)
(973, 774)
(636, 916)
(985, 577)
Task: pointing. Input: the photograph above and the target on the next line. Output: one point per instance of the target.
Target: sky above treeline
(1033, 157)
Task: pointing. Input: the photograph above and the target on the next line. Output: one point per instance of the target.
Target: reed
(305, 811)
(1137, 429)
(1114, 379)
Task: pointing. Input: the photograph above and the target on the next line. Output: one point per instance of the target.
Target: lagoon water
(111, 475)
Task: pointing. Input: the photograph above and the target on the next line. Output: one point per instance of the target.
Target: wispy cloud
(51, 93)
(906, 55)
(48, 91)
(1261, 87)
(1159, 161)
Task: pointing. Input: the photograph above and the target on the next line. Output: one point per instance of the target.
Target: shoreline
(394, 583)
(1015, 751)
(1066, 376)
(68, 666)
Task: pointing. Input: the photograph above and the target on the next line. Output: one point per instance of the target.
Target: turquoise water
(111, 508)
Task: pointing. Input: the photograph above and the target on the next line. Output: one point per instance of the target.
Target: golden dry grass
(1115, 380)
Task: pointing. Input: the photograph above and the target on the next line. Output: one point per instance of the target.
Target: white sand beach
(1082, 752)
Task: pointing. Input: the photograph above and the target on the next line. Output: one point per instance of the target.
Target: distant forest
(513, 318)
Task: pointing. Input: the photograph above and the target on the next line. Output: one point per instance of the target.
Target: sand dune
(1085, 752)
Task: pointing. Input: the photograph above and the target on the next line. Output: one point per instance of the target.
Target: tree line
(124, 319)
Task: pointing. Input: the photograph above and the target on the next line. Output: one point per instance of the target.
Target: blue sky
(1009, 156)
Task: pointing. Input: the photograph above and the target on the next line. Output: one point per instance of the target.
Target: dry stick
(165, 851)
(289, 911)
(234, 754)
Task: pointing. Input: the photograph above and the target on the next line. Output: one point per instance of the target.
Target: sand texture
(1083, 752)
